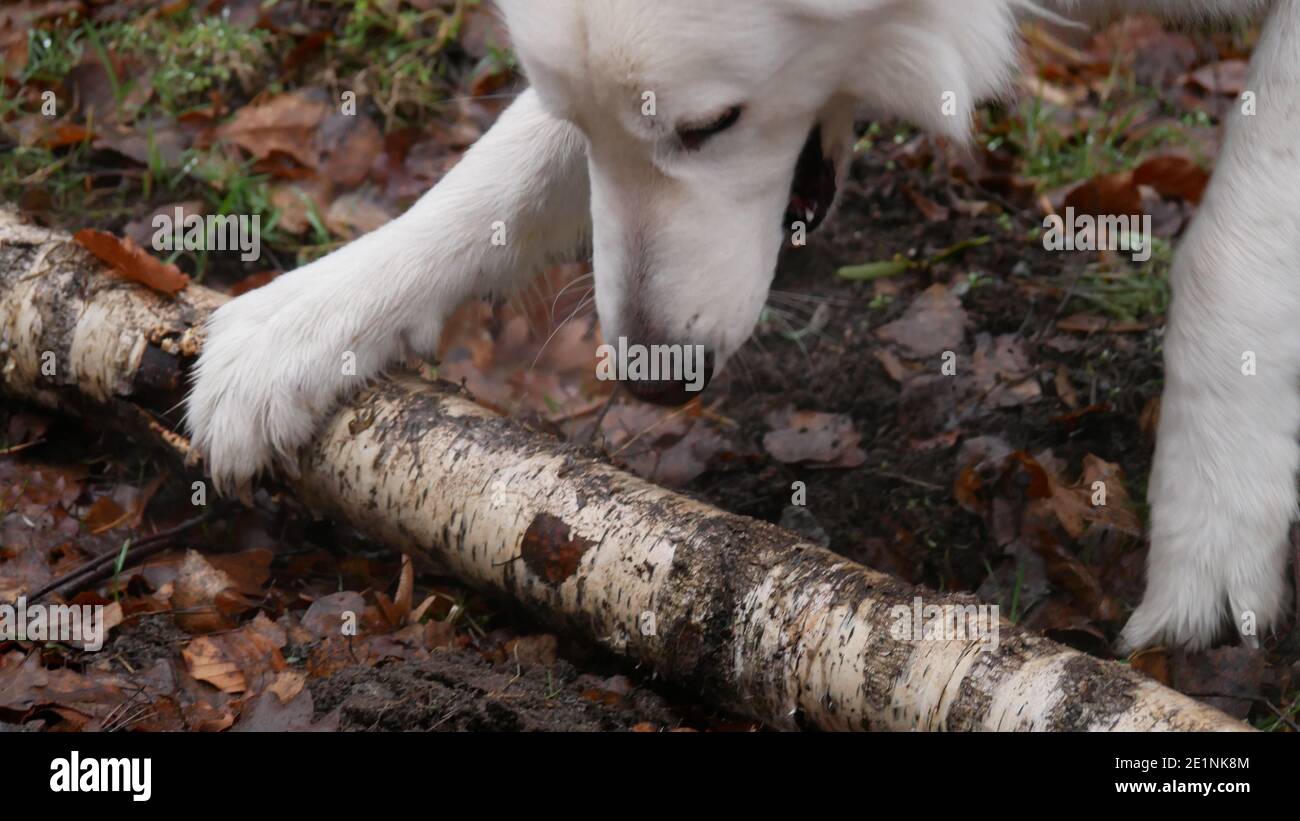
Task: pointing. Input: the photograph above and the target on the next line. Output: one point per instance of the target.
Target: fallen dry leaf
(1155, 53)
(1107, 195)
(195, 593)
(813, 438)
(934, 322)
(295, 201)
(132, 262)
(893, 366)
(665, 446)
(327, 615)
(1154, 662)
(405, 589)
(104, 514)
(237, 661)
(1173, 177)
(1001, 370)
(931, 210)
(347, 146)
(1065, 388)
(1031, 511)
(287, 685)
(141, 230)
(287, 124)
(206, 661)
(25, 685)
(269, 714)
(1227, 77)
(356, 213)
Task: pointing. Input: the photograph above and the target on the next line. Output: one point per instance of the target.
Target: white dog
(670, 137)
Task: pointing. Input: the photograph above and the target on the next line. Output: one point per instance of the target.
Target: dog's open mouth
(814, 185)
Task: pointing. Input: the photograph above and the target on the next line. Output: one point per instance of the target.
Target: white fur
(273, 361)
(684, 244)
(1223, 489)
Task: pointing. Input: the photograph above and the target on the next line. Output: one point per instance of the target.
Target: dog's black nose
(672, 386)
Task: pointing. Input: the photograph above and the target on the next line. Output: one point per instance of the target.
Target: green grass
(398, 54)
(1129, 293)
(1290, 713)
(193, 55)
(1054, 158)
(399, 59)
(51, 56)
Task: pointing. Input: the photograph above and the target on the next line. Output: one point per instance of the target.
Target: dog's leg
(1223, 490)
(276, 359)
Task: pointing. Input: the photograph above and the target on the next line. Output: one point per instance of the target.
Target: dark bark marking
(551, 550)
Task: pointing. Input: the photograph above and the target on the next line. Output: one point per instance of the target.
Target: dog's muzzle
(669, 391)
(814, 187)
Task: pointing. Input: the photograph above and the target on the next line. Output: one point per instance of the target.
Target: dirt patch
(137, 646)
(460, 691)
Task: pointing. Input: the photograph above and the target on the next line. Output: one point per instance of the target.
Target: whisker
(600, 419)
(797, 337)
(560, 294)
(816, 299)
(539, 293)
(588, 299)
(518, 302)
(673, 415)
(453, 100)
(802, 311)
(743, 363)
(781, 313)
(791, 317)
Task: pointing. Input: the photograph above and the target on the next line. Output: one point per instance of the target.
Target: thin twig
(18, 448)
(100, 567)
(600, 420)
(1283, 716)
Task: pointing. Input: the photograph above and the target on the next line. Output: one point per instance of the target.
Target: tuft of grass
(1284, 719)
(397, 56)
(1129, 293)
(1053, 157)
(51, 56)
(402, 60)
(191, 55)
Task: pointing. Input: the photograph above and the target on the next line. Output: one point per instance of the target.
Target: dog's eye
(693, 137)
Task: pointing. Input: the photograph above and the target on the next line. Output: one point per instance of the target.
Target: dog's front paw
(1183, 605)
(266, 374)
(1214, 569)
(1182, 610)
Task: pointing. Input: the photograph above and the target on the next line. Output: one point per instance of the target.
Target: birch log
(740, 611)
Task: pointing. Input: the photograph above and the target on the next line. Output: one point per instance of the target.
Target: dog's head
(717, 129)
